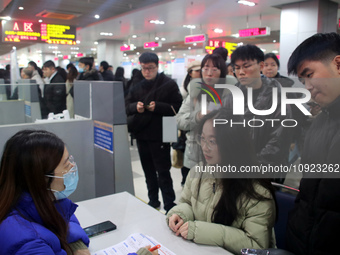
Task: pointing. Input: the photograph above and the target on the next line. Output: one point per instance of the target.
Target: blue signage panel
(103, 136)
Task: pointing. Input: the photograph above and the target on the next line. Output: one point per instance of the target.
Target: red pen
(155, 247)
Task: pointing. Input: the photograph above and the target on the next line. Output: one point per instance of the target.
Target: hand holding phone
(99, 228)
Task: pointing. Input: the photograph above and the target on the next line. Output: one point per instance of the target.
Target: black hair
(273, 56)
(319, 47)
(32, 63)
(119, 72)
(105, 65)
(247, 52)
(87, 61)
(8, 67)
(149, 57)
(49, 64)
(223, 52)
(187, 81)
(237, 149)
(62, 72)
(217, 61)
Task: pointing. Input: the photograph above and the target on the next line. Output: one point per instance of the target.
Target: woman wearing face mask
(37, 174)
(217, 210)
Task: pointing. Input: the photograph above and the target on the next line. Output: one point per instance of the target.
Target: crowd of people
(232, 213)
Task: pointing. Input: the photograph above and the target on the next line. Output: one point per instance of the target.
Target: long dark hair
(236, 148)
(72, 73)
(28, 156)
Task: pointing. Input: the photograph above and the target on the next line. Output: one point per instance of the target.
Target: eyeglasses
(149, 68)
(245, 67)
(72, 171)
(211, 143)
(207, 69)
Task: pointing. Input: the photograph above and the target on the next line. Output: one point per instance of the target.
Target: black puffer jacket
(164, 91)
(90, 75)
(314, 223)
(271, 140)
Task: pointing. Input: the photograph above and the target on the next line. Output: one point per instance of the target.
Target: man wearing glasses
(147, 102)
(271, 140)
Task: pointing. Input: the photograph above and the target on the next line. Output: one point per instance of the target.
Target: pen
(155, 247)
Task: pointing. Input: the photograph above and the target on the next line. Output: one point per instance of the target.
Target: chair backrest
(285, 203)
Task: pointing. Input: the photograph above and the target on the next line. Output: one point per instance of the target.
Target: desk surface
(133, 216)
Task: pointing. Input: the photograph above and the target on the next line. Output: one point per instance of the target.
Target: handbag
(177, 159)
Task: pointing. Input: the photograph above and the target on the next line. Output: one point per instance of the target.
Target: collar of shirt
(49, 81)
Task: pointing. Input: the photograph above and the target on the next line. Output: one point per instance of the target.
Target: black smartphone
(100, 228)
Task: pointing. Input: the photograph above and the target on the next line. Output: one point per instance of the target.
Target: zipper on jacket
(214, 187)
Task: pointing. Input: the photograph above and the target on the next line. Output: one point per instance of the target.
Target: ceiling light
(235, 35)
(274, 41)
(189, 48)
(40, 20)
(77, 41)
(190, 26)
(7, 18)
(96, 16)
(106, 34)
(275, 51)
(137, 53)
(134, 36)
(93, 49)
(124, 54)
(96, 43)
(157, 22)
(218, 30)
(163, 39)
(152, 48)
(21, 8)
(169, 49)
(156, 38)
(195, 44)
(247, 3)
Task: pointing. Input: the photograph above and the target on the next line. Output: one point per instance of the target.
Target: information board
(103, 135)
(26, 31)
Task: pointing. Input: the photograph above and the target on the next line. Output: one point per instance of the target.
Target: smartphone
(100, 228)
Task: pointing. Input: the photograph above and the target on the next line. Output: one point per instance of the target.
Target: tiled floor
(139, 179)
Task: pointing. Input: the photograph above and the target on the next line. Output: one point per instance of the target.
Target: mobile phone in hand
(99, 228)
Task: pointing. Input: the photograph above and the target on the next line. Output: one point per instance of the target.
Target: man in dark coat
(147, 102)
(54, 99)
(314, 223)
(271, 140)
(87, 71)
(106, 73)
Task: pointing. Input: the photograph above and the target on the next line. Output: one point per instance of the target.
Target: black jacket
(91, 75)
(148, 125)
(271, 141)
(314, 223)
(54, 96)
(108, 75)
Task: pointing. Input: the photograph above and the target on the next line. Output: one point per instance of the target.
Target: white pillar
(109, 50)
(302, 20)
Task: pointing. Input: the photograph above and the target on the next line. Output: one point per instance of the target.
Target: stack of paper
(132, 244)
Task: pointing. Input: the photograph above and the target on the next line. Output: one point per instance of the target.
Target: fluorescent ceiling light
(190, 26)
(21, 8)
(157, 22)
(218, 30)
(163, 39)
(96, 16)
(134, 36)
(275, 51)
(235, 35)
(247, 3)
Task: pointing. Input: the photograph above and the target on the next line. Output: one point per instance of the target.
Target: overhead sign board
(257, 31)
(213, 44)
(195, 38)
(148, 45)
(26, 31)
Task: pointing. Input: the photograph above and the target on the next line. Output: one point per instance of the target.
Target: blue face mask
(70, 182)
(80, 69)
